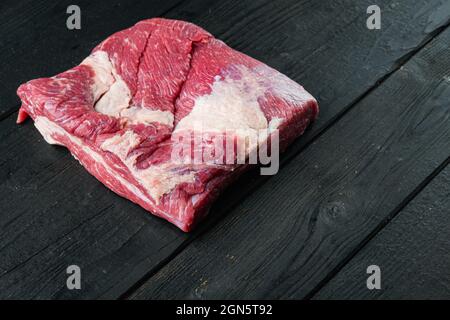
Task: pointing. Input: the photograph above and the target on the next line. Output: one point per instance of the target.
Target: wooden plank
(285, 238)
(36, 42)
(49, 224)
(412, 251)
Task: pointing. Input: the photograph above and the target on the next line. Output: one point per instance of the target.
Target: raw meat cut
(146, 90)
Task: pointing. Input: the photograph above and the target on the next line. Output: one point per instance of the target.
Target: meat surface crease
(162, 112)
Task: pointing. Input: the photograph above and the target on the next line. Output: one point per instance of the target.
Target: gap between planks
(378, 228)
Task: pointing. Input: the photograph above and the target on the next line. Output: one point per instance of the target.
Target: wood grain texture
(56, 214)
(413, 253)
(285, 238)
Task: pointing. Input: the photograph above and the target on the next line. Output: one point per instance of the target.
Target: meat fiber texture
(119, 110)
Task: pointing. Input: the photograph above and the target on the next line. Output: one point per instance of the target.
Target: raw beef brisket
(122, 111)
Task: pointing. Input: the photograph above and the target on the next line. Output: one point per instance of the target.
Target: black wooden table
(368, 184)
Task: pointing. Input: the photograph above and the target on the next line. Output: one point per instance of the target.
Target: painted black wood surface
(54, 214)
(412, 252)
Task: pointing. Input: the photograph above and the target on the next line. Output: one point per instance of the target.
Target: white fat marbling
(157, 179)
(46, 129)
(231, 105)
(111, 93)
(282, 86)
(136, 115)
(113, 96)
